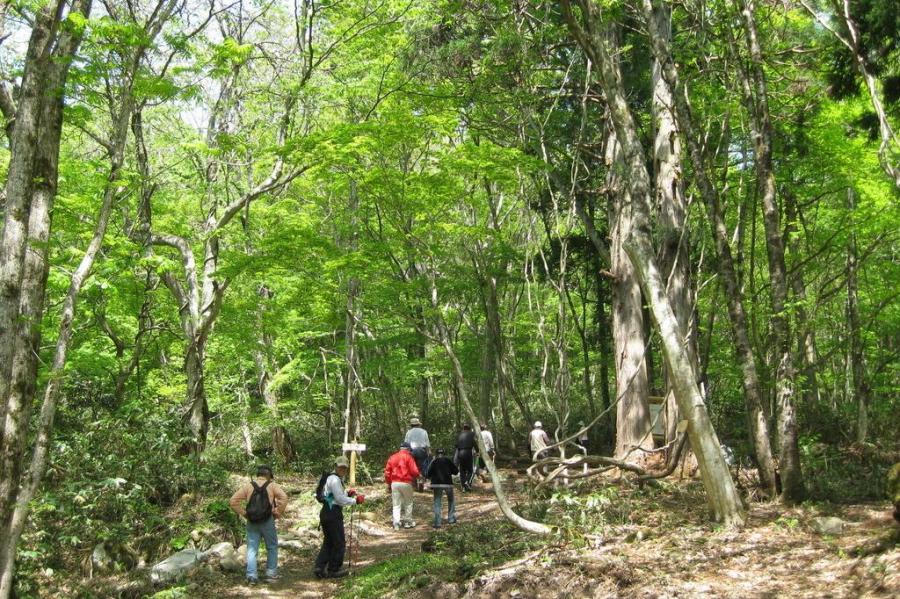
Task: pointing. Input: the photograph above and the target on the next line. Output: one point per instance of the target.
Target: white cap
(538, 424)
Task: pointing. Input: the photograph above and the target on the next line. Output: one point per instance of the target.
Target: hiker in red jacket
(400, 473)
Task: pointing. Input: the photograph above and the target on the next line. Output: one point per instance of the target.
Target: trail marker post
(353, 448)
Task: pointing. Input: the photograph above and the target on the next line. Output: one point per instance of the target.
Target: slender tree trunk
(724, 501)
(889, 147)
(757, 415)
(197, 416)
(32, 178)
(806, 334)
(756, 95)
(860, 386)
(487, 374)
(33, 94)
(245, 422)
(460, 383)
(352, 410)
(674, 237)
(51, 392)
(604, 335)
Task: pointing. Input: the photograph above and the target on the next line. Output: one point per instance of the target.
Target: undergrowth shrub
(116, 480)
(845, 473)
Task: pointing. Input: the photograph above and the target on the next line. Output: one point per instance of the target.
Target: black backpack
(320, 488)
(259, 508)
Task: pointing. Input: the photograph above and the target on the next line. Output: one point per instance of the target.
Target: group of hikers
(261, 501)
(408, 468)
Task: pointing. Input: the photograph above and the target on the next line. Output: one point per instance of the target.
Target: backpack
(320, 488)
(259, 508)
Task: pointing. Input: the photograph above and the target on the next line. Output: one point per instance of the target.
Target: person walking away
(440, 473)
(538, 441)
(417, 437)
(488, 440)
(261, 501)
(583, 438)
(465, 447)
(400, 472)
(330, 493)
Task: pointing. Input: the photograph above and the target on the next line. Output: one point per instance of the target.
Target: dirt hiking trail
(374, 541)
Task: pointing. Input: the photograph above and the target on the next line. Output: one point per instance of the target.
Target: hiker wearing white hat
(420, 447)
(538, 441)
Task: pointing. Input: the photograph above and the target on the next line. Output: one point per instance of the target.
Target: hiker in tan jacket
(261, 501)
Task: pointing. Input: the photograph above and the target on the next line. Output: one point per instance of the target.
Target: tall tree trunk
(756, 95)
(34, 92)
(724, 501)
(857, 357)
(674, 238)
(632, 384)
(604, 335)
(31, 187)
(757, 415)
(487, 374)
(197, 416)
(352, 386)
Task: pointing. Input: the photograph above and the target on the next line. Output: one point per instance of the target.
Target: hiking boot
(338, 573)
(252, 581)
(272, 577)
(409, 525)
(318, 573)
(396, 527)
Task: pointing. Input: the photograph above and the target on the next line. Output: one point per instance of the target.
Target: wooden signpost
(353, 448)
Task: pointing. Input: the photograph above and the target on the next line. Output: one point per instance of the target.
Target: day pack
(320, 488)
(259, 508)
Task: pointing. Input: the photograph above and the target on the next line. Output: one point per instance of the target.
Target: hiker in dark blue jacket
(440, 473)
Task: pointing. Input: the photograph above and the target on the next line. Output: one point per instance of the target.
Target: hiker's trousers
(256, 532)
(402, 498)
(438, 491)
(466, 467)
(331, 555)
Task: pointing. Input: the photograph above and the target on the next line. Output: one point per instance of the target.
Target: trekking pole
(352, 511)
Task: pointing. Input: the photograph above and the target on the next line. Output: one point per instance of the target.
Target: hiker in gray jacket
(420, 447)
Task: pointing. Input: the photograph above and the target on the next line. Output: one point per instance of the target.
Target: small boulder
(175, 566)
(828, 525)
(293, 544)
(220, 551)
(231, 564)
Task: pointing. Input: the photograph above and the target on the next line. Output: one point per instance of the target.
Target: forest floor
(660, 545)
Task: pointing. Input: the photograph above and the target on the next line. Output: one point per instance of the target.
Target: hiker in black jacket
(465, 447)
(440, 473)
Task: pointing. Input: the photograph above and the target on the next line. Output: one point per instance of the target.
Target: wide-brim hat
(415, 421)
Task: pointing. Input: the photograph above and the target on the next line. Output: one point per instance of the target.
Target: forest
(245, 232)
